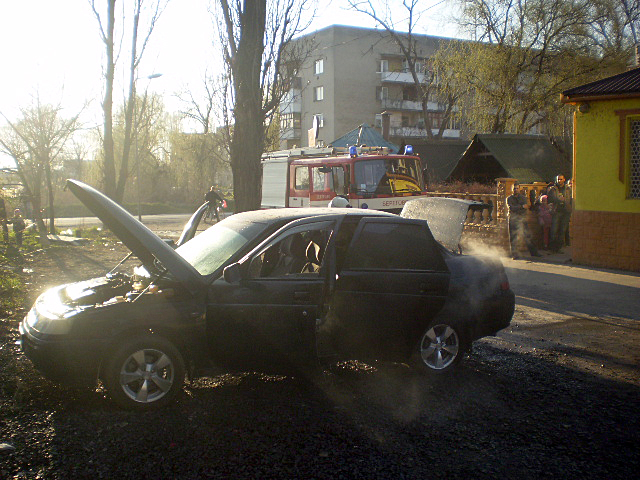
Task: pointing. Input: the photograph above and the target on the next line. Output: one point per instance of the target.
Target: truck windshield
(387, 176)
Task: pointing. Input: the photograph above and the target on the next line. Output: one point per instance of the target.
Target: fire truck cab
(368, 177)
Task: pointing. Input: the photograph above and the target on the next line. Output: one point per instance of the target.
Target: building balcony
(417, 132)
(401, 77)
(290, 133)
(407, 105)
(291, 102)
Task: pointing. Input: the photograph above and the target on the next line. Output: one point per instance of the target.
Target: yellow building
(606, 171)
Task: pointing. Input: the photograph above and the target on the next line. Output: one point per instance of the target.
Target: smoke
(473, 246)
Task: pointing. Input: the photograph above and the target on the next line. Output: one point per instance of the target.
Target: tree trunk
(35, 206)
(109, 168)
(129, 128)
(52, 216)
(247, 141)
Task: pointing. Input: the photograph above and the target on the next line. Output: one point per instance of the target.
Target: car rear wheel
(145, 372)
(441, 347)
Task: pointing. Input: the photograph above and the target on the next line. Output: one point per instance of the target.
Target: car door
(269, 317)
(390, 283)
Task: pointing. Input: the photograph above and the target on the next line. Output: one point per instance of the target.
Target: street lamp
(135, 126)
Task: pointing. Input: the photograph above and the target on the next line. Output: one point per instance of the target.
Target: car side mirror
(232, 274)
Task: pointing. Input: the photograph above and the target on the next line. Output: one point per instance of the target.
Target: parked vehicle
(267, 290)
(369, 177)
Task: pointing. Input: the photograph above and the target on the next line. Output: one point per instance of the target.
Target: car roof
(273, 215)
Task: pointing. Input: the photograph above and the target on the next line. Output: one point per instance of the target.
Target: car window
(298, 252)
(393, 246)
(209, 250)
(302, 178)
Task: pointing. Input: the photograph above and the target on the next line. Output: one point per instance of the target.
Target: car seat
(292, 256)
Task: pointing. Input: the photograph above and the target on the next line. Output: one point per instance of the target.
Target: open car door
(269, 315)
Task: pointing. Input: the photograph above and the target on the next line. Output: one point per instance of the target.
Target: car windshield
(387, 176)
(208, 251)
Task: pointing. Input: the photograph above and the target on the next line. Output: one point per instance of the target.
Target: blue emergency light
(408, 150)
(353, 151)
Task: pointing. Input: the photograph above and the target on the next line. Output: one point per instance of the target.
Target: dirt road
(556, 395)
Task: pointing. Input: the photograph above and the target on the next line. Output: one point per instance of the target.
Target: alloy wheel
(440, 347)
(147, 375)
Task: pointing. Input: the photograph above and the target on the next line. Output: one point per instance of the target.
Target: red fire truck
(368, 177)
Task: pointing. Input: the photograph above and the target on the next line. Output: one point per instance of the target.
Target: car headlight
(50, 315)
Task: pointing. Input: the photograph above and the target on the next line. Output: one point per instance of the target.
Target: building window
(318, 94)
(319, 68)
(384, 65)
(289, 120)
(378, 121)
(634, 159)
(382, 93)
(320, 119)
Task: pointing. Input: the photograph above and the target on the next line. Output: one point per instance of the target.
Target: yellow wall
(596, 157)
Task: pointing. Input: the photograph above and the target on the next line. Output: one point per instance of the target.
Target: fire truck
(368, 177)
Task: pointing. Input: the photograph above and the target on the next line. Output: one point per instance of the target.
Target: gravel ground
(509, 412)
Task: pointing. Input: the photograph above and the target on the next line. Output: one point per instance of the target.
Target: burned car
(265, 290)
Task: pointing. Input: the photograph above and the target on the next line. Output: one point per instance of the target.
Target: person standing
(518, 228)
(561, 205)
(18, 226)
(544, 219)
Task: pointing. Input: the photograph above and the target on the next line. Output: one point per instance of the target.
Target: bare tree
(261, 60)
(206, 150)
(527, 52)
(115, 185)
(385, 13)
(35, 141)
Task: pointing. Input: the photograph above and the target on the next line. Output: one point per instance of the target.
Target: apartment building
(351, 77)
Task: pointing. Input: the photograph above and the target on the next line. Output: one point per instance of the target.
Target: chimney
(386, 124)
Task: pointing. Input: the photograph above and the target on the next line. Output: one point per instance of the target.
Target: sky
(52, 50)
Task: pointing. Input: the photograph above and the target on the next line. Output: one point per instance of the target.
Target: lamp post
(135, 126)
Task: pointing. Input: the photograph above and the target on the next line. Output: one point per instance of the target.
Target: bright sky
(52, 48)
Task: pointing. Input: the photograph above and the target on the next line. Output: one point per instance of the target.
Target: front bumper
(63, 359)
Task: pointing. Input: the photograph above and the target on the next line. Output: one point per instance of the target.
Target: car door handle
(301, 296)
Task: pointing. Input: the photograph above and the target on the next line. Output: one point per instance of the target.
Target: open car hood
(191, 226)
(144, 244)
(445, 216)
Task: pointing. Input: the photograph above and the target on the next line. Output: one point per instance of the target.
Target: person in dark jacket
(213, 198)
(18, 226)
(560, 202)
(518, 228)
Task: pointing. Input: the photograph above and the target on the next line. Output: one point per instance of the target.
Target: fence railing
(486, 216)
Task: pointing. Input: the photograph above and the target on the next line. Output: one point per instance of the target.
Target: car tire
(145, 372)
(441, 348)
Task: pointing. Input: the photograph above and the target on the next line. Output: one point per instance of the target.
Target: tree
(35, 141)
(526, 53)
(418, 66)
(204, 153)
(114, 185)
(261, 60)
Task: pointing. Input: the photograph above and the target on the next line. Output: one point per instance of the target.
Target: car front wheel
(145, 372)
(441, 348)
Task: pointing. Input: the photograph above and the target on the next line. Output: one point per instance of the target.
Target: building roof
(623, 84)
(364, 135)
(440, 157)
(528, 158)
